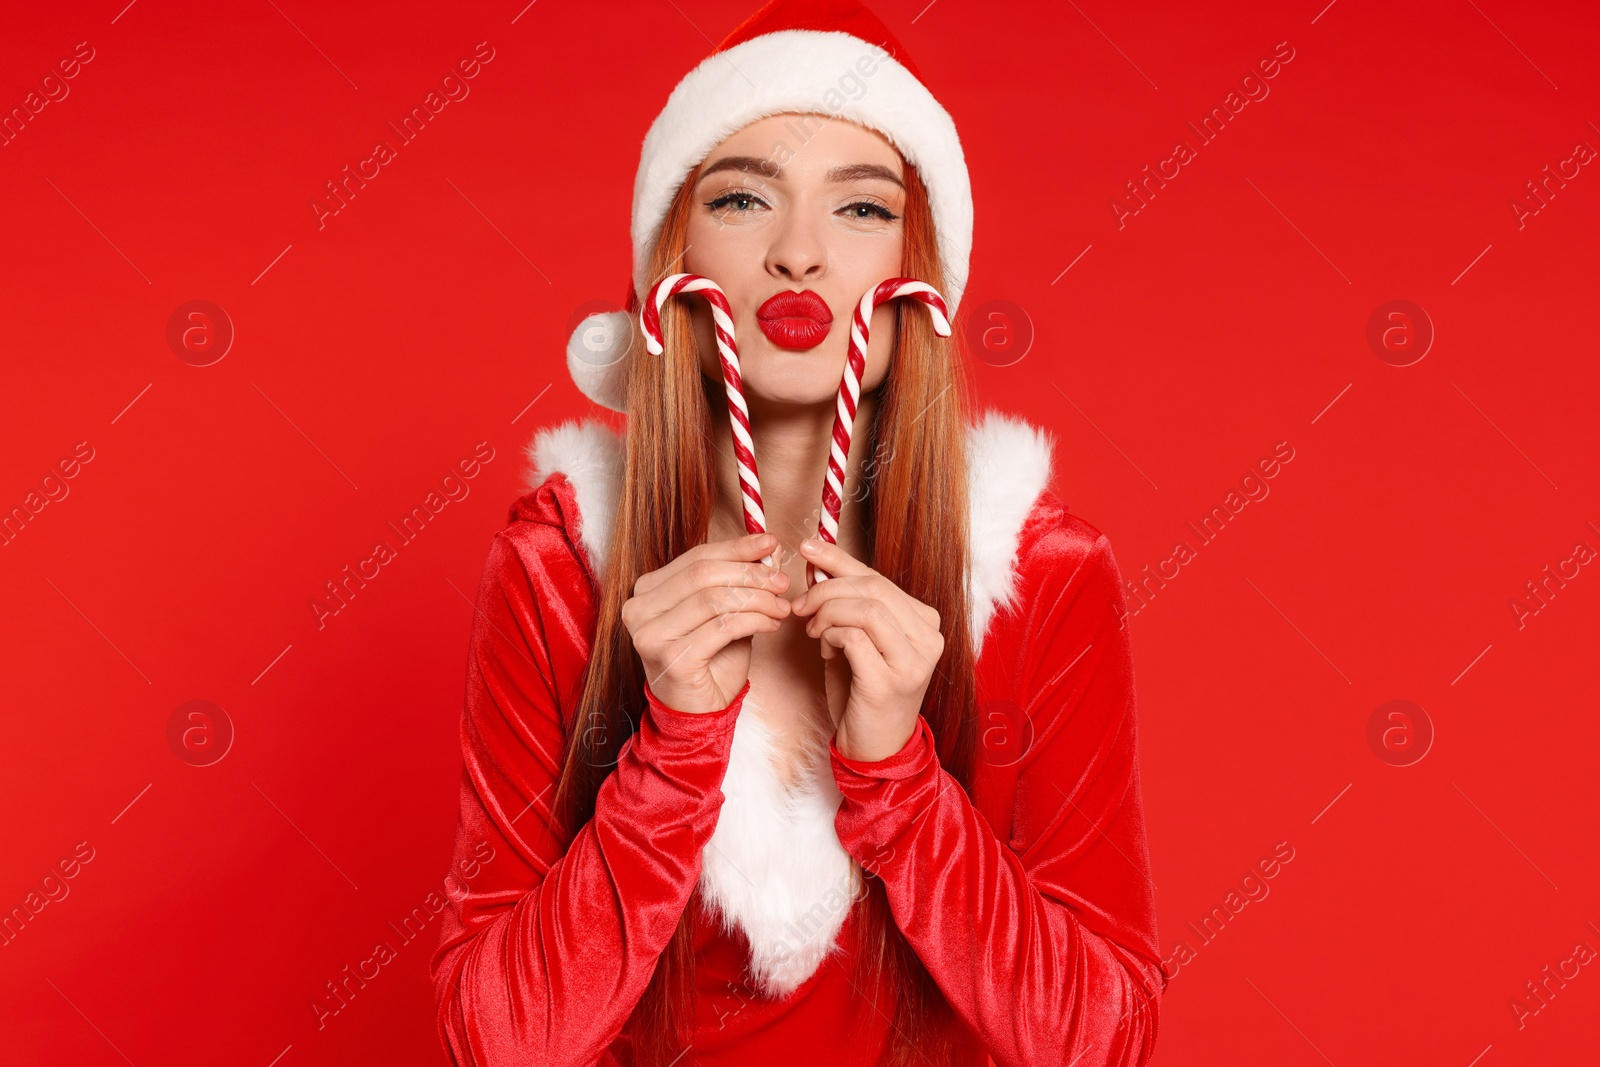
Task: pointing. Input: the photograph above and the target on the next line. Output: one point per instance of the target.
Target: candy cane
(755, 519)
(844, 420)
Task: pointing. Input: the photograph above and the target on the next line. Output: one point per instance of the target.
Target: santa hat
(831, 57)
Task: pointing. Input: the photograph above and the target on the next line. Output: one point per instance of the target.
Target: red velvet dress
(1029, 900)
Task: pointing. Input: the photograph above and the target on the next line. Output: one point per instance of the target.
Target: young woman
(710, 815)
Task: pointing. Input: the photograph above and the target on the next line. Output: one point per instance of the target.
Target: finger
(746, 548)
(863, 656)
(707, 640)
(912, 615)
(833, 559)
(892, 643)
(707, 604)
(702, 574)
(713, 635)
(839, 563)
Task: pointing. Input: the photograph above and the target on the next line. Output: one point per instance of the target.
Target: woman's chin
(791, 386)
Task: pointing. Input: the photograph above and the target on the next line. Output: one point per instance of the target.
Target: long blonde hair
(916, 473)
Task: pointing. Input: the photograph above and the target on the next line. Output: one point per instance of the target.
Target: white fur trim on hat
(597, 357)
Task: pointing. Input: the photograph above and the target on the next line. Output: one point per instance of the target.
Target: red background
(374, 352)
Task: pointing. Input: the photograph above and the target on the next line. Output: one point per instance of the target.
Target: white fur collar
(774, 868)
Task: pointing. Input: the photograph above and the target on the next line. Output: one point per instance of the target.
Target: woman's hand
(891, 646)
(692, 621)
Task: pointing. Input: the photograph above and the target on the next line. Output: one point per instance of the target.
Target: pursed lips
(795, 320)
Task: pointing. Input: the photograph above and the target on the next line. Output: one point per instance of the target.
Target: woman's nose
(798, 252)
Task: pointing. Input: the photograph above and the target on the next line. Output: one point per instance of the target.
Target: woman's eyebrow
(847, 173)
(742, 163)
(857, 171)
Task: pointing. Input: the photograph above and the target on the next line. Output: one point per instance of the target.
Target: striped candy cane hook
(755, 519)
(844, 420)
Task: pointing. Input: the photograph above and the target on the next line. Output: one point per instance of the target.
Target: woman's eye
(873, 210)
(741, 203)
(742, 199)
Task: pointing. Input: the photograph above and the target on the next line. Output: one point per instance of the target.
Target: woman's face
(797, 203)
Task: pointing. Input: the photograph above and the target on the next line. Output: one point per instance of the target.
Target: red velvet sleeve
(1045, 945)
(547, 944)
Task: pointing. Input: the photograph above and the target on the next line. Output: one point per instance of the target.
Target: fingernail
(810, 544)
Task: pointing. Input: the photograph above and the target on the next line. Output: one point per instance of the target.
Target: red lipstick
(795, 320)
